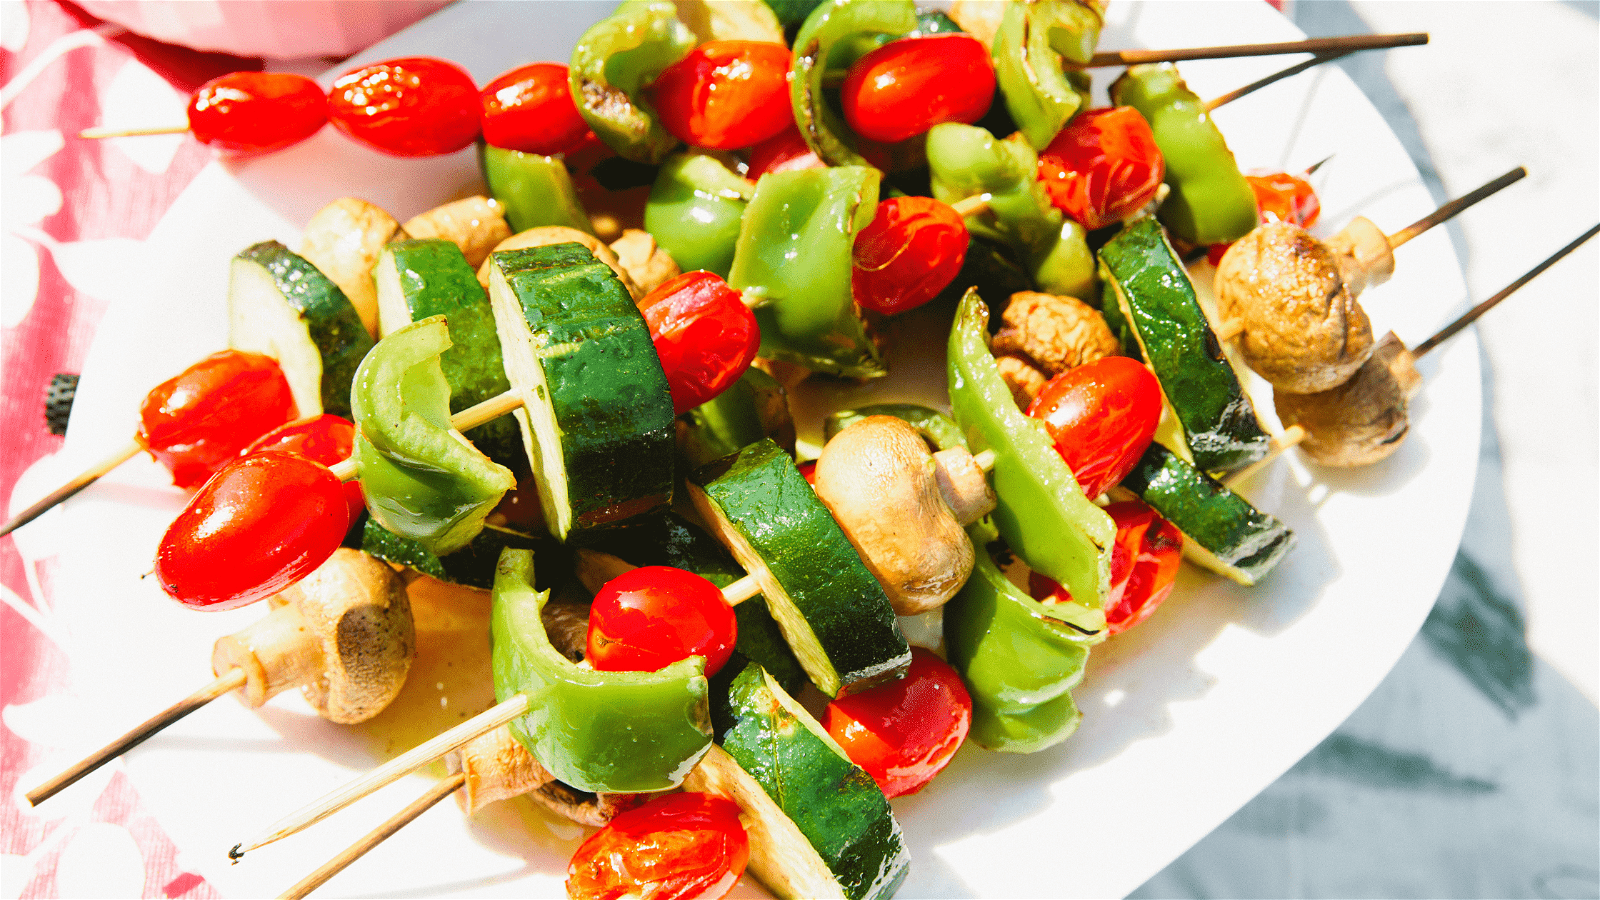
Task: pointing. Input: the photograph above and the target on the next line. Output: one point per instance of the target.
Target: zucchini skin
(472, 565)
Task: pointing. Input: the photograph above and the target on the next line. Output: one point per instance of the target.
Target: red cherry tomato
(784, 152)
(198, 421)
(905, 732)
(910, 251)
(259, 525)
(415, 106)
(1101, 416)
(725, 95)
(255, 112)
(327, 439)
(530, 109)
(675, 847)
(906, 87)
(654, 616)
(1281, 197)
(703, 333)
(1103, 167)
(1144, 566)
(808, 470)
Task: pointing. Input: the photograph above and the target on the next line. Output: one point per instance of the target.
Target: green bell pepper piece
(1019, 660)
(1033, 39)
(612, 64)
(1210, 201)
(421, 478)
(534, 190)
(617, 732)
(754, 408)
(1042, 512)
(795, 255)
(836, 34)
(694, 210)
(966, 161)
(934, 426)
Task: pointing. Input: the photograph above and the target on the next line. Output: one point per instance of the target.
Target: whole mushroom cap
(1363, 420)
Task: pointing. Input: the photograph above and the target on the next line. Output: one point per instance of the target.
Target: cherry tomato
(784, 152)
(653, 616)
(259, 525)
(1103, 167)
(198, 421)
(1281, 197)
(905, 732)
(530, 109)
(1101, 416)
(255, 112)
(906, 87)
(703, 333)
(327, 439)
(1144, 566)
(415, 106)
(808, 470)
(675, 847)
(725, 95)
(910, 251)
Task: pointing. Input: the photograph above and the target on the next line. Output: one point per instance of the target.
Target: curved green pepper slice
(1019, 662)
(422, 479)
(694, 210)
(1042, 513)
(795, 255)
(620, 732)
(756, 407)
(836, 34)
(535, 190)
(613, 63)
(1029, 47)
(1210, 202)
(934, 426)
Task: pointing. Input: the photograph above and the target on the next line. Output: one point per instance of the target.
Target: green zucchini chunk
(597, 424)
(418, 279)
(1150, 303)
(833, 612)
(281, 305)
(1221, 530)
(818, 825)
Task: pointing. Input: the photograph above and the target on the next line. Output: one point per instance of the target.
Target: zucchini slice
(833, 613)
(281, 305)
(1150, 304)
(472, 565)
(418, 279)
(1222, 531)
(818, 825)
(597, 424)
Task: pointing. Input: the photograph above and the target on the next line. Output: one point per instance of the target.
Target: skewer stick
(100, 132)
(232, 680)
(1275, 77)
(971, 206)
(741, 590)
(376, 836)
(466, 420)
(89, 476)
(1347, 44)
(391, 771)
(1291, 436)
(1453, 207)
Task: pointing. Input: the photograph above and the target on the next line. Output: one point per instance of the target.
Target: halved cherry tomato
(1280, 197)
(198, 421)
(910, 251)
(327, 439)
(675, 847)
(784, 152)
(259, 525)
(905, 732)
(1101, 416)
(725, 95)
(530, 109)
(653, 616)
(1103, 167)
(703, 333)
(906, 87)
(1144, 566)
(414, 106)
(256, 112)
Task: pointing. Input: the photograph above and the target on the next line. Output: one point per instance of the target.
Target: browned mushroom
(344, 240)
(560, 234)
(1363, 420)
(475, 224)
(497, 767)
(904, 508)
(648, 264)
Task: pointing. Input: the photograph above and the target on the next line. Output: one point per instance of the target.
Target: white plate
(1185, 719)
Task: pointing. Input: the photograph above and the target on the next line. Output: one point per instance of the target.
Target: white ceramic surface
(1185, 718)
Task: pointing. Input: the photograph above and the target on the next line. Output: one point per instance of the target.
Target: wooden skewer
(1275, 77)
(971, 206)
(1290, 437)
(100, 132)
(89, 476)
(1347, 44)
(232, 680)
(376, 836)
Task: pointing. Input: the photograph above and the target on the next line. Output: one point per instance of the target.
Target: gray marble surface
(1472, 770)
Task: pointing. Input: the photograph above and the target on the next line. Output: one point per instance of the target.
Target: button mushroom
(344, 240)
(560, 234)
(1363, 420)
(648, 264)
(497, 767)
(343, 635)
(904, 508)
(475, 224)
(1043, 335)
